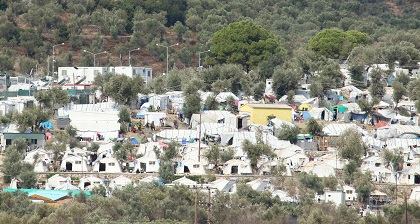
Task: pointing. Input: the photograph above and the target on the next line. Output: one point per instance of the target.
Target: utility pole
(208, 207)
(406, 207)
(199, 137)
(196, 205)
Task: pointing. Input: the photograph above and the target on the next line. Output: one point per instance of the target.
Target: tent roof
(340, 108)
(381, 124)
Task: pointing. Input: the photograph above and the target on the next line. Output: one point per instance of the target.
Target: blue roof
(50, 194)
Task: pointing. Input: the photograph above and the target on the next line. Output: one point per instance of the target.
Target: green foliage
(259, 90)
(336, 44)
(244, 43)
(28, 178)
(290, 96)
(365, 105)
(254, 152)
(311, 181)
(211, 103)
(288, 133)
(377, 86)
(363, 186)
(414, 89)
(13, 165)
(398, 91)
(351, 146)
(357, 74)
(349, 171)
(330, 182)
(313, 127)
(124, 115)
(393, 158)
(285, 79)
(121, 88)
(215, 155)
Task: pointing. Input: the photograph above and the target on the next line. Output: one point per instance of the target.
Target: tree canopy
(244, 43)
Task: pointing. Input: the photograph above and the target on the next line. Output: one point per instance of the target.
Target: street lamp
(129, 55)
(199, 59)
(167, 55)
(53, 59)
(94, 56)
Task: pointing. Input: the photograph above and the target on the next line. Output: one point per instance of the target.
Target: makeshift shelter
(225, 185)
(322, 114)
(184, 181)
(260, 184)
(67, 186)
(306, 115)
(47, 125)
(305, 107)
(237, 167)
(149, 179)
(48, 196)
(415, 194)
(55, 181)
(42, 162)
(119, 182)
(381, 124)
(155, 117)
(318, 168)
(107, 165)
(90, 182)
(134, 141)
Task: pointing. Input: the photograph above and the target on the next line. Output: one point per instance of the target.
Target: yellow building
(260, 112)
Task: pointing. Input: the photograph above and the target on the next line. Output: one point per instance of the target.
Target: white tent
(415, 194)
(55, 181)
(216, 128)
(321, 114)
(190, 166)
(107, 165)
(146, 164)
(89, 182)
(74, 163)
(154, 117)
(67, 186)
(41, 164)
(185, 181)
(119, 182)
(149, 179)
(320, 169)
(223, 96)
(225, 185)
(235, 167)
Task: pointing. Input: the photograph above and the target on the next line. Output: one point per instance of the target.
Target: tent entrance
(102, 167)
(186, 169)
(86, 184)
(234, 170)
(323, 115)
(69, 166)
(142, 167)
(417, 179)
(239, 123)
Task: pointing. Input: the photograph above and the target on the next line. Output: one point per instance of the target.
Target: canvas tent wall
(90, 182)
(74, 164)
(190, 166)
(107, 165)
(119, 182)
(146, 164)
(321, 114)
(155, 117)
(237, 167)
(56, 181)
(88, 124)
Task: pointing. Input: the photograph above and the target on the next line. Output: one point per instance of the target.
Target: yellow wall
(259, 115)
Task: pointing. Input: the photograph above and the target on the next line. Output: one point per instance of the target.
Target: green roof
(14, 136)
(50, 194)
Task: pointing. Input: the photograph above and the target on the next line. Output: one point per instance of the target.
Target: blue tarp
(46, 125)
(305, 115)
(358, 117)
(134, 141)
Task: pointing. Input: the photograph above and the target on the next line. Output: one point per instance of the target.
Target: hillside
(28, 31)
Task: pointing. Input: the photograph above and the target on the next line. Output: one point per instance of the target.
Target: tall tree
(254, 153)
(351, 145)
(244, 43)
(377, 86)
(398, 92)
(285, 79)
